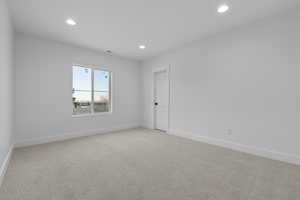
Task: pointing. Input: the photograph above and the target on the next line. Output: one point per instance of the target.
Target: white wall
(5, 82)
(246, 79)
(44, 97)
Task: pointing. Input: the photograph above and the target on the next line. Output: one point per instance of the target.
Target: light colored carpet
(142, 164)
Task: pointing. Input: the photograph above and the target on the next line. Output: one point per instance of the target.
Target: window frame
(93, 113)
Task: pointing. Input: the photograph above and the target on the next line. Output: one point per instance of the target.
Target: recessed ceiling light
(223, 8)
(142, 47)
(71, 22)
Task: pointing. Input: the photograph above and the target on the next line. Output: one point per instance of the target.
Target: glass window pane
(101, 91)
(101, 80)
(82, 78)
(82, 86)
(82, 102)
(101, 101)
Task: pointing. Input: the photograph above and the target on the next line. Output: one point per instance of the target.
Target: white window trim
(93, 114)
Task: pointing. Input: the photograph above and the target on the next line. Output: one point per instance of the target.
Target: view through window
(91, 90)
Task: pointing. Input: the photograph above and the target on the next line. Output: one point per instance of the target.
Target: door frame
(155, 71)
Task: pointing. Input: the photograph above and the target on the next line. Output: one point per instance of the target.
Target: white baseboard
(293, 159)
(4, 166)
(66, 136)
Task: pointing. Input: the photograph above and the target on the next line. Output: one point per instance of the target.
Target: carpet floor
(142, 164)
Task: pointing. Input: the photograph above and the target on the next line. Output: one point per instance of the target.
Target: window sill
(92, 114)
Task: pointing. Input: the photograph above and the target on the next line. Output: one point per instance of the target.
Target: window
(91, 90)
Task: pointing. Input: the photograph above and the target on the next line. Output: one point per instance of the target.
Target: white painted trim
(111, 96)
(66, 136)
(5, 164)
(274, 155)
(92, 114)
(157, 70)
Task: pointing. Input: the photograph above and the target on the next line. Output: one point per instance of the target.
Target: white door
(161, 100)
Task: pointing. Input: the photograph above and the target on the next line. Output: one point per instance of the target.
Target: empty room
(149, 100)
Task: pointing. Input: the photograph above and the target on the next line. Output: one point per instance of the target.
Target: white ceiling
(121, 25)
